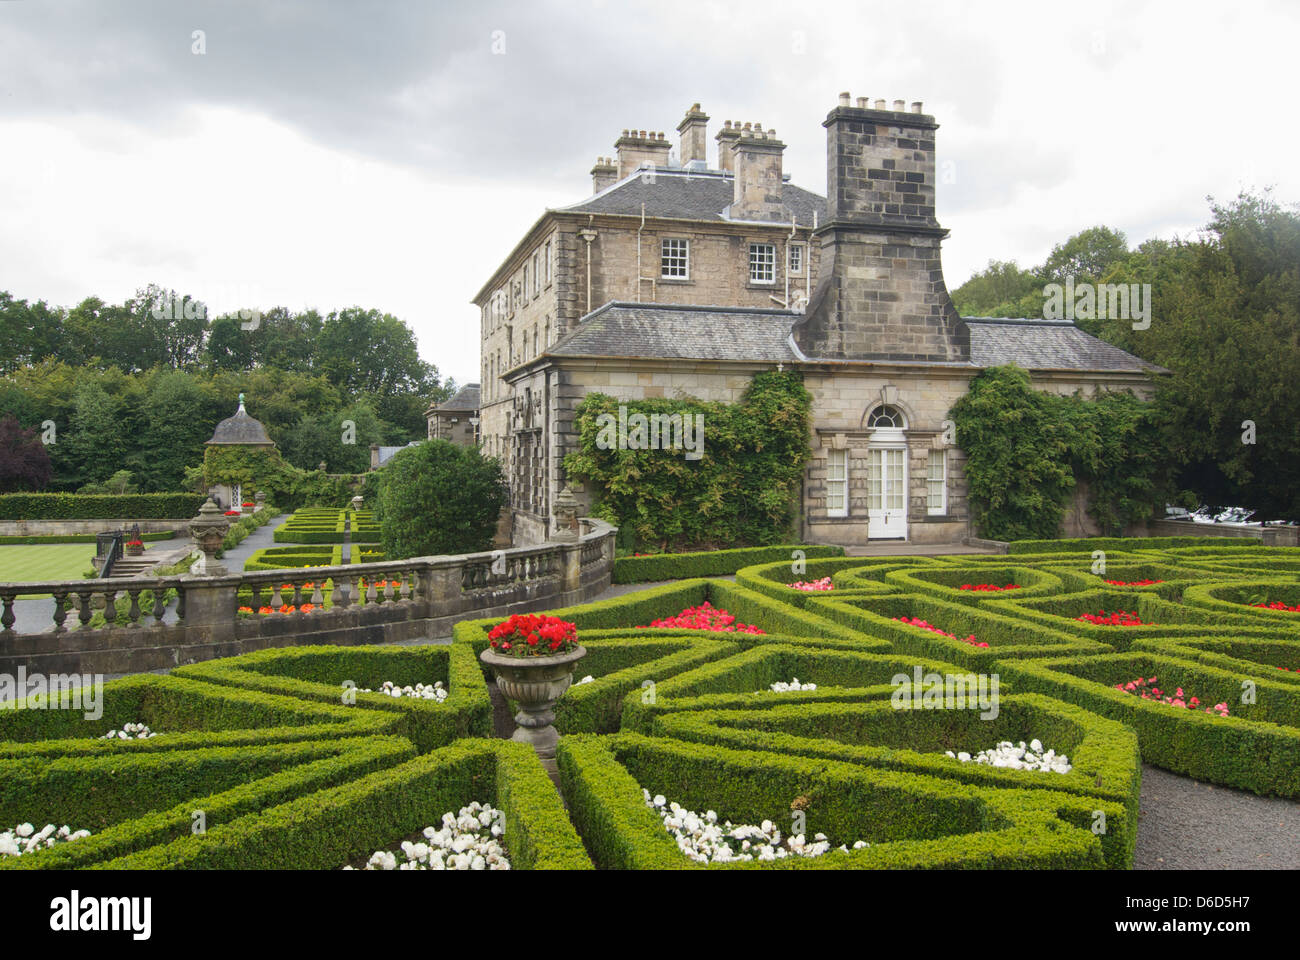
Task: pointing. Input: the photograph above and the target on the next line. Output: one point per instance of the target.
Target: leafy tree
(439, 498)
(1086, 256)
(24, 462)
(95, 436)
(119, 483)
(1002, 289)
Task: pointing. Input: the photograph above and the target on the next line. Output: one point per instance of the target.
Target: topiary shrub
(439, 498)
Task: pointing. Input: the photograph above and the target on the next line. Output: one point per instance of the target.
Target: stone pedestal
(208, 530)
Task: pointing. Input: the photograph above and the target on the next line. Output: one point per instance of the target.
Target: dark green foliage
(1026, 450)
(439, 498)
(75, 506)
(743, 490)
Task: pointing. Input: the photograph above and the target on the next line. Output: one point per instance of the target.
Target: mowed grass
(21, 563)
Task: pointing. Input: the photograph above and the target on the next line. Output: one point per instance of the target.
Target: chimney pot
(916, 106)
(880, 104)
(899, 106)
(864, 103)
(844, 99)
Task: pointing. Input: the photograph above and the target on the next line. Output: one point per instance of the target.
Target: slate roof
(663, 331)
(698, 195)
(1046, 345)
(466, 398)
(672, 332)
(241, 429)
(387, 453)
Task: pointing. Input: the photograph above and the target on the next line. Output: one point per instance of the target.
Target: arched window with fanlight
(886, 417)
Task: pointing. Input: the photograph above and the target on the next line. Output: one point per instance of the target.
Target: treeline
(107, 388)
(1225, 322)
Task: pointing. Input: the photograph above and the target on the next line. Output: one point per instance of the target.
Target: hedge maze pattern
(288, 764)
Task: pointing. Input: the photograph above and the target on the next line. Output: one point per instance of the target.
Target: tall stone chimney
(638, 148)
(758, 193)
(881, 295)
(694, 131)
(603, 174)
(726, 138)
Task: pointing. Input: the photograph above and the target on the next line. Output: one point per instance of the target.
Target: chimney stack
(883, 296)
(603, 174)
(758, 188)
(726, 137)
(694, 131)
(637, 148)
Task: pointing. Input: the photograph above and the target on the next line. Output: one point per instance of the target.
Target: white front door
(886, 493)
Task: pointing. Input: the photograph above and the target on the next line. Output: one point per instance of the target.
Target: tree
(1000, 290)
(439, 498)
(24, 462)
(1085, 256)
(95, 437)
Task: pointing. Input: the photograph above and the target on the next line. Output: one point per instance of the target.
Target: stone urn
(535, 683)
(134, 549)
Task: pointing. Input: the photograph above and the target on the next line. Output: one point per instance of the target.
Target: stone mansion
(680, 277)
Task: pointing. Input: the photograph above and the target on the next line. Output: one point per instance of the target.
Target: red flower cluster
(135, 543)
(232, 513)
(1277, 605)
(533, 635)
(918, 622)
(704, 617)
(989, 586)
(1290, 669)
(1120, 618)
(247, 503)
(283, 608)
(1147, 690)
(1133, 583)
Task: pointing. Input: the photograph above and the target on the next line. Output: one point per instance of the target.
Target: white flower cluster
(702, 839)
(130, 731)
(468, 840)
(25, 838)
(587, 679)
(794, 684)
(1019, 757)
(420, 691)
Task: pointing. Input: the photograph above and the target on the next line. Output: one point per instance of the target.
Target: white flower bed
(419, 692)
(130, 731)
(25, 838)
(587, 679)
(1019, 757)
(468, 840)
(702, 839)
(794, 684)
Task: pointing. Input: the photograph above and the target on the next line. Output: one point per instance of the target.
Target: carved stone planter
(535, 683)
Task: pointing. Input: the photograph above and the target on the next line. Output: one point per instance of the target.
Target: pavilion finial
(241, 404)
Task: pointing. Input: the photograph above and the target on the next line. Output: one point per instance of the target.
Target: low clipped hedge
(1256, 748)
(947, 581)
(1103, 753)
(1073, 544)
(1235, 599)
(344, 824)
(773, 579)
(327, 526)
(79, 538)
(185, 713)
(97, 506)
(912, 821)
(709, 563)
(318, 673)
(132, 802)
(1277, 660)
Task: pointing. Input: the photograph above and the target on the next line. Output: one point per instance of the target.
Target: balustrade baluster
(84, 611)
(159, 604)
(342, 596)
(7, 617)
(110, 607)
(277, 597)
(60, 612)
(133, 614)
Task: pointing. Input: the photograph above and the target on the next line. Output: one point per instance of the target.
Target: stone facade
(857, 276)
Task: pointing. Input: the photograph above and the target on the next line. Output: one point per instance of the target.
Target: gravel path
(1186, 825)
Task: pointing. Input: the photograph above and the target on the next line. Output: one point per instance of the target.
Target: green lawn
(55, 561)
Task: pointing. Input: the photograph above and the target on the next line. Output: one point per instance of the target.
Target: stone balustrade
(116, 626)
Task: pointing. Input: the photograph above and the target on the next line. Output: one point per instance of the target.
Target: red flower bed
(283, 608)
(986, 587)
(533, 635)
(1147, 690)
(1133, 583)
(704, 617)
(1120, 618)
(918, 622)
(1276, 605)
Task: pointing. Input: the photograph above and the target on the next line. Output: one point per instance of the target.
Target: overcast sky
(391, 153)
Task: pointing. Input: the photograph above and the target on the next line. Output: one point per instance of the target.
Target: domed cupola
(241, 430)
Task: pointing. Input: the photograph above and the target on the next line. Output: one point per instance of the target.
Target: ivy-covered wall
(743, 490)
(1026, 451)
(288, 487)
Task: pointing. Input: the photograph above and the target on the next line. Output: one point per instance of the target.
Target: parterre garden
(831, 725)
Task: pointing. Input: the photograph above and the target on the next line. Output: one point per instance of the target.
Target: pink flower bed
(808, 586)
(918, 622)
(703, 617)
(1146, 689)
